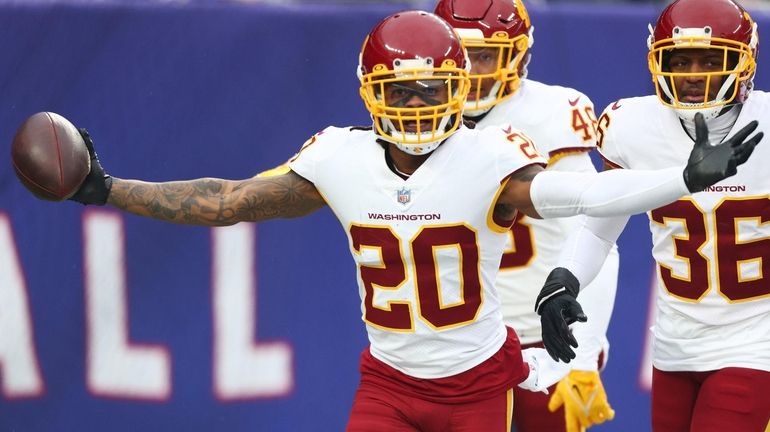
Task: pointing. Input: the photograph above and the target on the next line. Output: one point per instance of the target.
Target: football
(49, 156)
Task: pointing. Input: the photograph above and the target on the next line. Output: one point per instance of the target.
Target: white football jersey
(712, 248)
(560, 121)
(427, 248)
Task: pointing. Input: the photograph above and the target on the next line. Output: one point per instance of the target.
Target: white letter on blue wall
(116, 367)
(243, 368)
(19, 368)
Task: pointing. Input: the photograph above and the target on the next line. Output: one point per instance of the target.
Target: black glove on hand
(710, 164)
(558, 308)
(96, 186)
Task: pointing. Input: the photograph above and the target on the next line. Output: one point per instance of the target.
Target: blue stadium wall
(110, 322)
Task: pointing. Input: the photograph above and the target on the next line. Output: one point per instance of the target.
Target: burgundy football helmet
(502, 25)
(410, 56)
(705, 24)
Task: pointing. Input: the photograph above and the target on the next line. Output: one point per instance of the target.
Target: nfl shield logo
(404, 195)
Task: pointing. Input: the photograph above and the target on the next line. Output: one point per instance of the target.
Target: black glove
(710, 164)
(97, 184)
(558, 308)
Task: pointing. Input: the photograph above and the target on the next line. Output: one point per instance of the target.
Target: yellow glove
(584, 399)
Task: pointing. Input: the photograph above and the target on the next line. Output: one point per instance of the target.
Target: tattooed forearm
(217, 202)
(284, 196)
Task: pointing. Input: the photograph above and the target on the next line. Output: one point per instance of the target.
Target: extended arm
(625, 192)
(614, 193)
(206, 201)
(210, 201)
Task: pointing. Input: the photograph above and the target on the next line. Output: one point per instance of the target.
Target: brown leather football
(49, 156)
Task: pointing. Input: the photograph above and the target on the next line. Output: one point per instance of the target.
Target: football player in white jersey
(498, 35)
(426, 204)
(711, 349)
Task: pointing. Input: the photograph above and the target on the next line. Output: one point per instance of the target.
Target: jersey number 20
(392, 274)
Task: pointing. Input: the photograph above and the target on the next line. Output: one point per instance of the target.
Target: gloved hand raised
(97, 184)
(584, 399)
(558, 308)
(709, 164)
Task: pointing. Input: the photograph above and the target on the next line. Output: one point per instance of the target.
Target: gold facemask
(416, 127)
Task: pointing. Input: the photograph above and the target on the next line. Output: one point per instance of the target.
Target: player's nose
(695, 69)
(415, 101)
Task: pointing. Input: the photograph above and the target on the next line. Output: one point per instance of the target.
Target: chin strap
(719, 127)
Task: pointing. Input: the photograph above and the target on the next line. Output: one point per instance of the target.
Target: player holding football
(498, 35)
(426, 204)
(711, 352)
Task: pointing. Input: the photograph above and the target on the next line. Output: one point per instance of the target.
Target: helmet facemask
(728, 82)
(498, 64)
(413, 104)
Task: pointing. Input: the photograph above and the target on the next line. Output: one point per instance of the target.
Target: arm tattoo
(218, 202)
